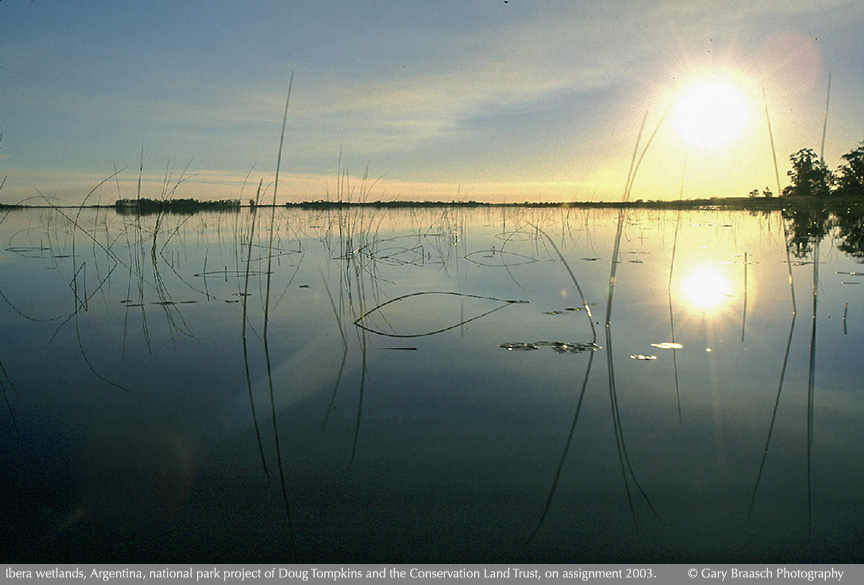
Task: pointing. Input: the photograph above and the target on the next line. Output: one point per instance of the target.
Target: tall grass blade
(669, 284)
(744, 316)
(825, 120)
(575, 283)
(569, 441)
(779, 194)
(563, 458)
(624, 459)
(6, 397)
(344, 353)
(363, 374)
(773, 416)
(811, 390)
(245, 298)
(75, 314)
(267, 321)
(771, 138)
(361, 320)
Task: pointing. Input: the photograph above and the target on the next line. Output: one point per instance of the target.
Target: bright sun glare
(706, 288)
(711, 113)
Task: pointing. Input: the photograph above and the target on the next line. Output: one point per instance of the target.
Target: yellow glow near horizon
(711, 113)
(706, 288)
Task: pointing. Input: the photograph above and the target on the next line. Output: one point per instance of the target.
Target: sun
(711, 113)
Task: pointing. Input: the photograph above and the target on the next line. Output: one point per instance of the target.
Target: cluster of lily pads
(557, 346)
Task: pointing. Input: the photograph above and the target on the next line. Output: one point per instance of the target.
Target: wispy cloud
(439, 93)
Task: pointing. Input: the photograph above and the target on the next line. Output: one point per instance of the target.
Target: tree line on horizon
(144, 205)
(811, 177)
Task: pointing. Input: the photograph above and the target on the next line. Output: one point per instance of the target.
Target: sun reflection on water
(706, 288)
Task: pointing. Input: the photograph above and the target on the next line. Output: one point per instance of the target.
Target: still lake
(438, 385)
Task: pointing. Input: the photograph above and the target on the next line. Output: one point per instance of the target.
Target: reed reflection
(490, 429)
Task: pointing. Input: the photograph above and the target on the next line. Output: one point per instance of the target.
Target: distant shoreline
(730, 203)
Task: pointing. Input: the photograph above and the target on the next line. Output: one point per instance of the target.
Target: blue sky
(465, 99)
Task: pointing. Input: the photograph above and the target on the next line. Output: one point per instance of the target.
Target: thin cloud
(470, 92)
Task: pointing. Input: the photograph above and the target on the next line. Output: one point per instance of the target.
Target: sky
(450, 100)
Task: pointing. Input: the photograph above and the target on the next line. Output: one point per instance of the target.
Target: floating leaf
(573, 347)
(557, 346)
(667, 345)
(518, 346)
(427, 313)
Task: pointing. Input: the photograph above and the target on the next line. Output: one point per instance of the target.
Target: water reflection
(129, 474)
(706, 288)
(850, 229)
(807, 227)
(360, 385)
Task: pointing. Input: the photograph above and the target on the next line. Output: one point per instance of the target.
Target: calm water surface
(435, 385)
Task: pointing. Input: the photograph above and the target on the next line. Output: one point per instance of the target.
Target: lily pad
(518, 346)
(557, 346)
(667, 345)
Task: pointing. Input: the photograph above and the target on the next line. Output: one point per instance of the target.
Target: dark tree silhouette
(850, 175)
(810, 177)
